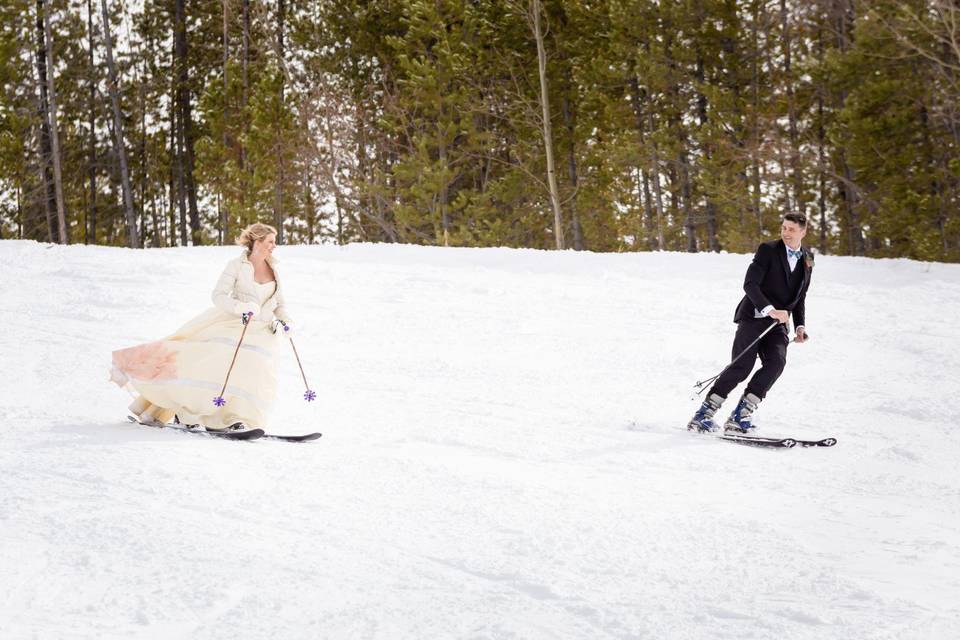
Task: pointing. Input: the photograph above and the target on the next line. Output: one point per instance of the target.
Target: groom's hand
(779, 315)
(801, 335)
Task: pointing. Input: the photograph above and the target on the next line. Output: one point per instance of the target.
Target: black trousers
(772, 349)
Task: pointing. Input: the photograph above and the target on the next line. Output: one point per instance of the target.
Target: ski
(785, 443)
(825, 442)
(753, 441)
(247, 434)
(304, 438)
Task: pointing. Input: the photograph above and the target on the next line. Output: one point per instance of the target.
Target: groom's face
(792, 233)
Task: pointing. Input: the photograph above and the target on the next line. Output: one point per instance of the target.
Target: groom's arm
(755, 273)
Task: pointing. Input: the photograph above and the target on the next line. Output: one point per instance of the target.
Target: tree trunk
(224, 213)
(278, 212)
(46, 153)
(339, 207)
(856, 245)
(245, 97)
(185, 117)
(364, 203)
(116, 221)
(244, 107)
(569, 120)
(309, 210)
(755, 124)
(821, 154)
(334, 169)
(181, 181)
(648, 222)
(19, 212)
(783, 162)
(682, 162)
(157, 230)
(795, 168)
(90, 226)
(821, 175)
(935, 162)
(133, 240)
(686, 194)
(369, 206)
(176, 163)
(653, 170)
(172, 198)
(657, 189)
(444, 193)
(142, 205)
(55, 134)
(711, 206)
(547, 129)
(686, 191)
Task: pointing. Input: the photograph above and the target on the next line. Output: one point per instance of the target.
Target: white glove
(284, 328)
(251, 308)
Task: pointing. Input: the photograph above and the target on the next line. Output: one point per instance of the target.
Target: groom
(776, 286)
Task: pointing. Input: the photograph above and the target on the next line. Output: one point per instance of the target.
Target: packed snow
(504, 454)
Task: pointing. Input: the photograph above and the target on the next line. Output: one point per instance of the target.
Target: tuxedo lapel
(802, 263)
(784, 264)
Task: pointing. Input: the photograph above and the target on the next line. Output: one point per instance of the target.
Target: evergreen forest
(600, 125)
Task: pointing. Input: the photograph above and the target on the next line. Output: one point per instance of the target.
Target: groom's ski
(246, 434)
(783, 443)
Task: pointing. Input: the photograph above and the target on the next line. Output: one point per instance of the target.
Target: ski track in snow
(503, 454)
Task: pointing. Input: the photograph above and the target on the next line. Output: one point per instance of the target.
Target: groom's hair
(798, 218)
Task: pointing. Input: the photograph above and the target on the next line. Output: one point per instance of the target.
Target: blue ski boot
(703, 419)
(741, 420)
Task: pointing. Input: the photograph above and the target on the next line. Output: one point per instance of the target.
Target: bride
(182, 374)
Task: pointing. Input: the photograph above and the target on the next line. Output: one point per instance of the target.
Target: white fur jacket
(236, 285)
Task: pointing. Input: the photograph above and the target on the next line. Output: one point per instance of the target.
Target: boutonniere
(808, 259)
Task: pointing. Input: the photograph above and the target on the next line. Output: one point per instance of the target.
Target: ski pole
(702, 386)
(245, 318)
(309, 395)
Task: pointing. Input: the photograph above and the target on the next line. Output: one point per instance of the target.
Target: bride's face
(265, 246)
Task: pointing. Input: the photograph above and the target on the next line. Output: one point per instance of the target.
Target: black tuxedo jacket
(769, 281)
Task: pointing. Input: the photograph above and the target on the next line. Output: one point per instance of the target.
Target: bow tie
(794, 254)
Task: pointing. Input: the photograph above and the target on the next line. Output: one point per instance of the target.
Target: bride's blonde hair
(256, 231)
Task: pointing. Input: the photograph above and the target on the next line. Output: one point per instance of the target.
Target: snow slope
(503, 454)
